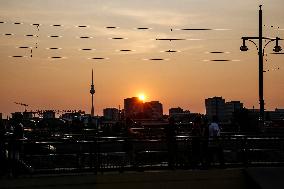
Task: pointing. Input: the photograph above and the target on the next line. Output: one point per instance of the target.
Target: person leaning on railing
(196, 134)
(128, 145)
(2, 149)
(215, 147)
(170, 130)
(204, 143)
(14, 148)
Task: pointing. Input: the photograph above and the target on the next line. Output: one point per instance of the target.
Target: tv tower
(92, 91)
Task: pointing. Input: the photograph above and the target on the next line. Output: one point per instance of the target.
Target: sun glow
(142, 97)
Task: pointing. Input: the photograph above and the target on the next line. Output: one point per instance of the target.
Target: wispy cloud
(156, 17)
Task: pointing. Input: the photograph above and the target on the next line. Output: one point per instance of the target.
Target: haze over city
(183, 78)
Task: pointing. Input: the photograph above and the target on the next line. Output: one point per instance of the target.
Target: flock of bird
(113, 38)
(171, 51)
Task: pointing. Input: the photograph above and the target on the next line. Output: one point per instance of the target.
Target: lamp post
(261, 49)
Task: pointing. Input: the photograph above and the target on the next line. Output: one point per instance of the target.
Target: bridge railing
(121, 153)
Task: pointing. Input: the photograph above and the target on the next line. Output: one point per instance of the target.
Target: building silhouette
(27, 115)
(180, 115)
(133, 107)
(70, 116)
(111, 114)
(276, 115)
(230, 109)
(173, 111)
(48, 114)
(17, 116)
(215, 107)
(153, 110)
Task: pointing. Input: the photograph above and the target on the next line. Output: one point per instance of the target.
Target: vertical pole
(92, 110)
(260, 54)
(92, 91)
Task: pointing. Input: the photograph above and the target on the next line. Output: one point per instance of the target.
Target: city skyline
(182, 79)
(142, 101)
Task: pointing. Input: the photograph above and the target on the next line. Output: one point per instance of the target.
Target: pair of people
(199, 142)
(206, 143)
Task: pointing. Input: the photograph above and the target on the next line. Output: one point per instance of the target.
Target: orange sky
(185, 79)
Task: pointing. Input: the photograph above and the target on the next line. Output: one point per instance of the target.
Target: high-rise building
(215, 107)
(133, 107)
(153, 110)
(111, 114)
(231, 108)
(224, 111)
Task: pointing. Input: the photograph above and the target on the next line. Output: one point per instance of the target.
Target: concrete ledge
(227, 178)
(266, 177)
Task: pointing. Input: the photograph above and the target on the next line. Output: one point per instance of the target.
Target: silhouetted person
(215, 146)
(15, 148)
(204, 143)
(2, 149)
(170, 132)
(195, 144)
(128, 142)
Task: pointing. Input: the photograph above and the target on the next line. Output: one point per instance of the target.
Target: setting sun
(141, 97)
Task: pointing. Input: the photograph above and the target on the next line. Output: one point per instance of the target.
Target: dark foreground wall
(221, 179)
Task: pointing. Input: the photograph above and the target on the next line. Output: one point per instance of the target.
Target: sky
(184, 78)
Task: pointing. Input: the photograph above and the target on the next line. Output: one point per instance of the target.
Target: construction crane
(41, 112)
(22, 104)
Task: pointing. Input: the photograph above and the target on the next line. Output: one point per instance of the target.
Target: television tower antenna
(92, 91)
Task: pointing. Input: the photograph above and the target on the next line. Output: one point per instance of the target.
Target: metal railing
(120, 153)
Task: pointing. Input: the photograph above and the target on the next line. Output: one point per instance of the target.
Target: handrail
(122, 153)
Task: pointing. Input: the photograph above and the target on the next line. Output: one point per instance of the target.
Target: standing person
(2, 149)
(19, 136)
(214, 129)
(170, 132)
(195, 142)
(128, 145)
(214, 141)
(204, 143)
(15, 146)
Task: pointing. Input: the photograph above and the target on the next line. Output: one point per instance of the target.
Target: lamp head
(243, 48)
(277, 49)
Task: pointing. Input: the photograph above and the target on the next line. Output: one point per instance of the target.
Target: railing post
(96, 156)
(245, 152)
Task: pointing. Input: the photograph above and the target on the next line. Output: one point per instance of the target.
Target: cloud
(156, 17)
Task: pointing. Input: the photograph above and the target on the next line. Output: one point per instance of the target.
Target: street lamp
(277, 48)
(261, 49)
(244, 47)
